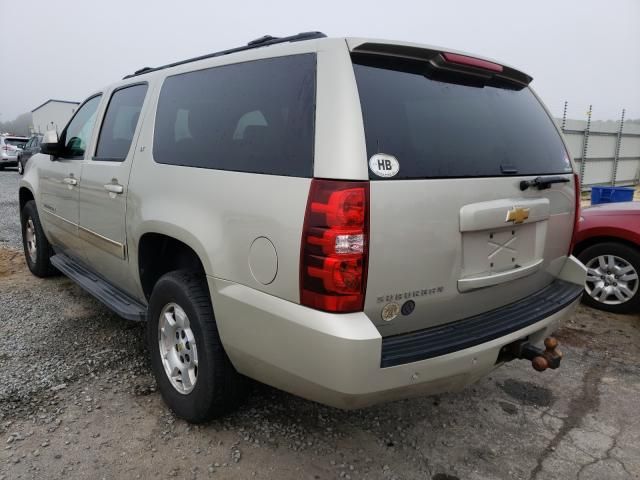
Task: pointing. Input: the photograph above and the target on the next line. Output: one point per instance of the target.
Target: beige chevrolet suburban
(352, 221)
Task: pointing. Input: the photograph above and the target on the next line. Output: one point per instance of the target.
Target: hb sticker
(384, 165)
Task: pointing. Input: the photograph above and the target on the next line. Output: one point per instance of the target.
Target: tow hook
(540, 359)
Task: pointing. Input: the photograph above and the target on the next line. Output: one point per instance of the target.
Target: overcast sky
(582, 51)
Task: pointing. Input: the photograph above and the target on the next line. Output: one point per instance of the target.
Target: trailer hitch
(540, 359)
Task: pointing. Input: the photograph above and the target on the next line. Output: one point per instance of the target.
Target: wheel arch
(591, 241)
(159, 253)
(24, 195)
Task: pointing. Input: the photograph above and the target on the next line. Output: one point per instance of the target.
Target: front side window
(77, 134)
(119, 124)
(255, 117)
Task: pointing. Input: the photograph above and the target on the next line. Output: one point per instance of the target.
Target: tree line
(19, 126)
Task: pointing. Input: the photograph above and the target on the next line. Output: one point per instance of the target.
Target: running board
(112, 297)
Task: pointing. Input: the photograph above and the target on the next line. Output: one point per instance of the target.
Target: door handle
(114, 188)
(70, 181)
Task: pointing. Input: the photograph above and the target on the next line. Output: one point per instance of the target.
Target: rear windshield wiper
(542, 183)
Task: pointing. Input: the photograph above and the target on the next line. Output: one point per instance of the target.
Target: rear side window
(441, 129)
(119, 124)
(255, 117)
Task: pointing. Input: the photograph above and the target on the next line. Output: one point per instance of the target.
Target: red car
(608, 243)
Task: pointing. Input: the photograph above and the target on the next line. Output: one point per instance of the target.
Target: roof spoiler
(447, 61)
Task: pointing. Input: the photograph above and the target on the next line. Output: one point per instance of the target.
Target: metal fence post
(585, 146)
(616, 157)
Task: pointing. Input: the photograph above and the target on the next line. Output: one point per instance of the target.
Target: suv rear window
(442, 129)
(255, 117)
(16, 142)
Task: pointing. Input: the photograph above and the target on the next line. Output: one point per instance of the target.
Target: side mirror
(50, 145)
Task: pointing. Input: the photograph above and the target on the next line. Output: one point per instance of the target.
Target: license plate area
(501, 249)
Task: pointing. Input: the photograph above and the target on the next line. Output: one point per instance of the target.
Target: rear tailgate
(452, 234)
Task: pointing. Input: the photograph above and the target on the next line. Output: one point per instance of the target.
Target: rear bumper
(8, 161)
(336, 359)
(455, 336)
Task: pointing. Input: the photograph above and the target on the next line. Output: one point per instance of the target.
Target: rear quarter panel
(217, 213)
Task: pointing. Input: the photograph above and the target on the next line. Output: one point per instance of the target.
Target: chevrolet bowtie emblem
(517, 215)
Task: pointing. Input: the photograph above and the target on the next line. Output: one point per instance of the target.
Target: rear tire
(615, 268)
(199, 383)
(37, 250)
(20, 167)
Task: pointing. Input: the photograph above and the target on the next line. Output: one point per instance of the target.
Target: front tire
(37, 250)
(192, 370)
(612, 277)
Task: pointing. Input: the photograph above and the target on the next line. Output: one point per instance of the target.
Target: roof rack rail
(258, 42)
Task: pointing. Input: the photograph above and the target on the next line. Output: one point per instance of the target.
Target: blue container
(611, 195)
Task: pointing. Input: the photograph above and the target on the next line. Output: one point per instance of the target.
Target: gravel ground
(9, 227)
(77, 400)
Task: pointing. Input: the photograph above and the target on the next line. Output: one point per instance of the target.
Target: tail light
(333, 256)
(576, 220)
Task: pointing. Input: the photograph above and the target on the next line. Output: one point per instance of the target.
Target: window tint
(250, 117)
(119, 124)
(76, 136)
(16, 142)
(437, 128)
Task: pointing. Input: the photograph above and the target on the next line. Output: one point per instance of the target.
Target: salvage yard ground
(77, 400)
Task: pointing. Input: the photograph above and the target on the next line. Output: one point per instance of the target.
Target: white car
(10, 146)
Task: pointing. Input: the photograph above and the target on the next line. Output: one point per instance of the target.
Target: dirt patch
(11, 262)
(602, 333)
(574, 337)
(75, 311)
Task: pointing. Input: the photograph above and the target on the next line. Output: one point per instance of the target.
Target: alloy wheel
(30, 237)
(611, 280)
(178, 350)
